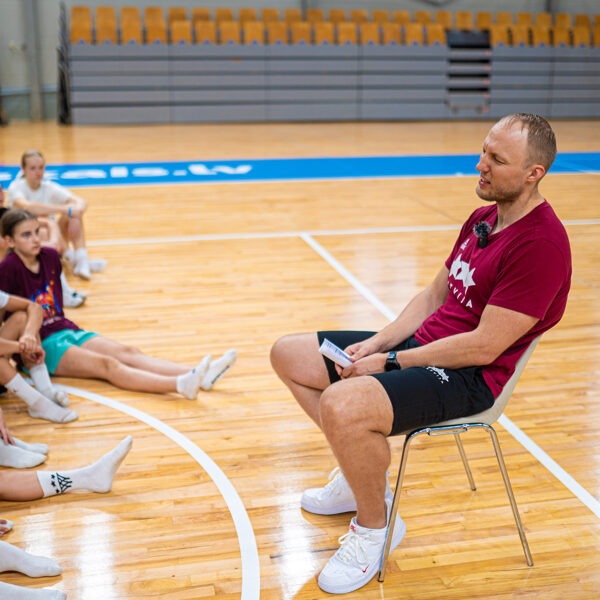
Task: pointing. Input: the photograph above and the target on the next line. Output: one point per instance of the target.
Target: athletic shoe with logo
(358, 558)
(73, 299)
(336, 497)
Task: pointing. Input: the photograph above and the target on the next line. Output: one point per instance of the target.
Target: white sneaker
(336, 497)
(97, 264)
(358, 558)
(82, 269)
(73, 299)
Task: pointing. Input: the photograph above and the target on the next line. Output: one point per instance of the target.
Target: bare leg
(51, 235)
(359, 410)
(20, 486)
(132, 357)
(72, 230)
(86, 364)
(297, 362)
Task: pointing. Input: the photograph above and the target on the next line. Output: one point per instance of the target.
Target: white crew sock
(15, 559)
(67, 290)
(16, 592)
(97, 264)
(69, 255)
(40, 448)
(82, 265)
(17, 458)
(39, 406)
(188, 384)
(218, 368)
(41, 380)
(95, 478)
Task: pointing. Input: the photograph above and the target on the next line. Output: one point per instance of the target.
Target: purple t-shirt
(525, 267)
(43, 288)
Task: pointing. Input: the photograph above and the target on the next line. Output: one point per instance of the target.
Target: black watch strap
(391, 363)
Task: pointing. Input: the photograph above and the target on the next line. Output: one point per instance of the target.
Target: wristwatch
(391, 363)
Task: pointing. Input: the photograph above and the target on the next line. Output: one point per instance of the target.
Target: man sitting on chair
(447, 355)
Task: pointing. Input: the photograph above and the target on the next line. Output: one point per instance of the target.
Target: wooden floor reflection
(165, 530)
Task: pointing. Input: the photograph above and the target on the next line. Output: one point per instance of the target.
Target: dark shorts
(421, 396)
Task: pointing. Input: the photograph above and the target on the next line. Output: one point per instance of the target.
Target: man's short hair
(540, 137)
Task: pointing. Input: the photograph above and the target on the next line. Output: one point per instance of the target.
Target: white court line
(550, 464)
(284, 234)
(243, 526)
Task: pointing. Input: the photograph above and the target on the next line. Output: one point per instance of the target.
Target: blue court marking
(283, 169)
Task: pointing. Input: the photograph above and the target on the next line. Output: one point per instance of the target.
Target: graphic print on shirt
(46, 299)
(461, 271)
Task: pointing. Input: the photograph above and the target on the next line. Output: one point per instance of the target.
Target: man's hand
(374, 363)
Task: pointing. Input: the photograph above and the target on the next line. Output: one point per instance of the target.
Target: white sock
(41, 380)
(218, 368)
(16, 592)
(97, 264)
(95, 478)
(69, 255)
(188, 384)
(40, 448)
(18, 458)
(82, 265)
(67, 290)
(15, 559)
(39, 406)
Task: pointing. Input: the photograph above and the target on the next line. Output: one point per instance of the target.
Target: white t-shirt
(48, 192)
(3, 299)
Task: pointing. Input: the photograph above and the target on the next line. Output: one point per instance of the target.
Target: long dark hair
(11, 218)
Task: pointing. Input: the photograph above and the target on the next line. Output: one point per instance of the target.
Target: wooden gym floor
(172, 527)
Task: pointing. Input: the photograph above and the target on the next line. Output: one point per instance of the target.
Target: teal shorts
(58, 343)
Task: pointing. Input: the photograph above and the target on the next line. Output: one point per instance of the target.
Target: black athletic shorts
(421, 396)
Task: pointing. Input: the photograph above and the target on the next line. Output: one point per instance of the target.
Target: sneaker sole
(372, 570)
(334, 509)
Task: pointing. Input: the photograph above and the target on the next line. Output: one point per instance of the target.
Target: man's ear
(535, 173)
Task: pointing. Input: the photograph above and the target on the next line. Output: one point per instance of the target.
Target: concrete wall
(14, 76)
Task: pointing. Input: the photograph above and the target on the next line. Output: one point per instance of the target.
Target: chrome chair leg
(465, 461)
(509, 491)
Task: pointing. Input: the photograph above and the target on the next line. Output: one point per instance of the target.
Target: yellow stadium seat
(176, 13)
(156, 32)
(525, 18)
(130, 13)
(277, 32)
(337, 15)
(562, 20)
(436, 34)
(369, 34)
(543, 19)
(583, 21)
(301, 32)
(81, 14)
(206, 32)
(346, 34)
(131, 32)
(254, 33)
(106, 14)
(229, 32)
(464, 20)
(106, 32)
(81, 32)
(444, 18)
(359, 16)
(315, 15)
(246, 14)
(561, 36)
(269, 15)
(323, 33)
(581, 36)
(292, 15)
(499, 35)
(223, 14)
(413, 34)
(596, 35)
(504, 18)
(153, 14)
(483, 20)
(181, 32)
(200, 13)
(391, 34)
(596, 20)
(423, 17)
(402, 17)
(520, 35)
(380, 16)
(540, 36)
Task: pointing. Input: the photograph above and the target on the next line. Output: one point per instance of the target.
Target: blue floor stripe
(283, 169)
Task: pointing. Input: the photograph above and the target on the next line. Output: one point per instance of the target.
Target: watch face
(391, 363)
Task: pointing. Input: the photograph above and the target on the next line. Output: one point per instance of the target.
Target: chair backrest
(581, 36)
(491, 415)
(153, 14)
(583, 21)
(314, 15)
(229, 32)
(106, 32)
(223, 13)
(200, 13)
(499, 35)
(323, 33)
(391, 34)
(413, 34)
(504, 18)
(402, 17)
(337, 15)
(423, 17)
(181, 32)
(246, 15)
(156, 32)
(561, 36)
(444, 18)
(292, 15)
(206, 32)
(562, 20)
(359, 15)
(131, 32)
(436, 34)
(277, 32)
(484, 20)
(464, 20)
(525, 18)
(301, 32)
(543, 19)
(520, 35)
(254, 33)
(176, 13)
(346, 34)
(269, 15)
(380, 16)
(540, 36)
(369, 34)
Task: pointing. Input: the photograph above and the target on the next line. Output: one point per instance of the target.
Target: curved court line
(245, 533)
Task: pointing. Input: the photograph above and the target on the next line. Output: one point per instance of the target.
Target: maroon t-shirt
(43, 288)
(525, 267)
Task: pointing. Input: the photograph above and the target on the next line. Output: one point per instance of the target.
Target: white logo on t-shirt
(460, 270)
